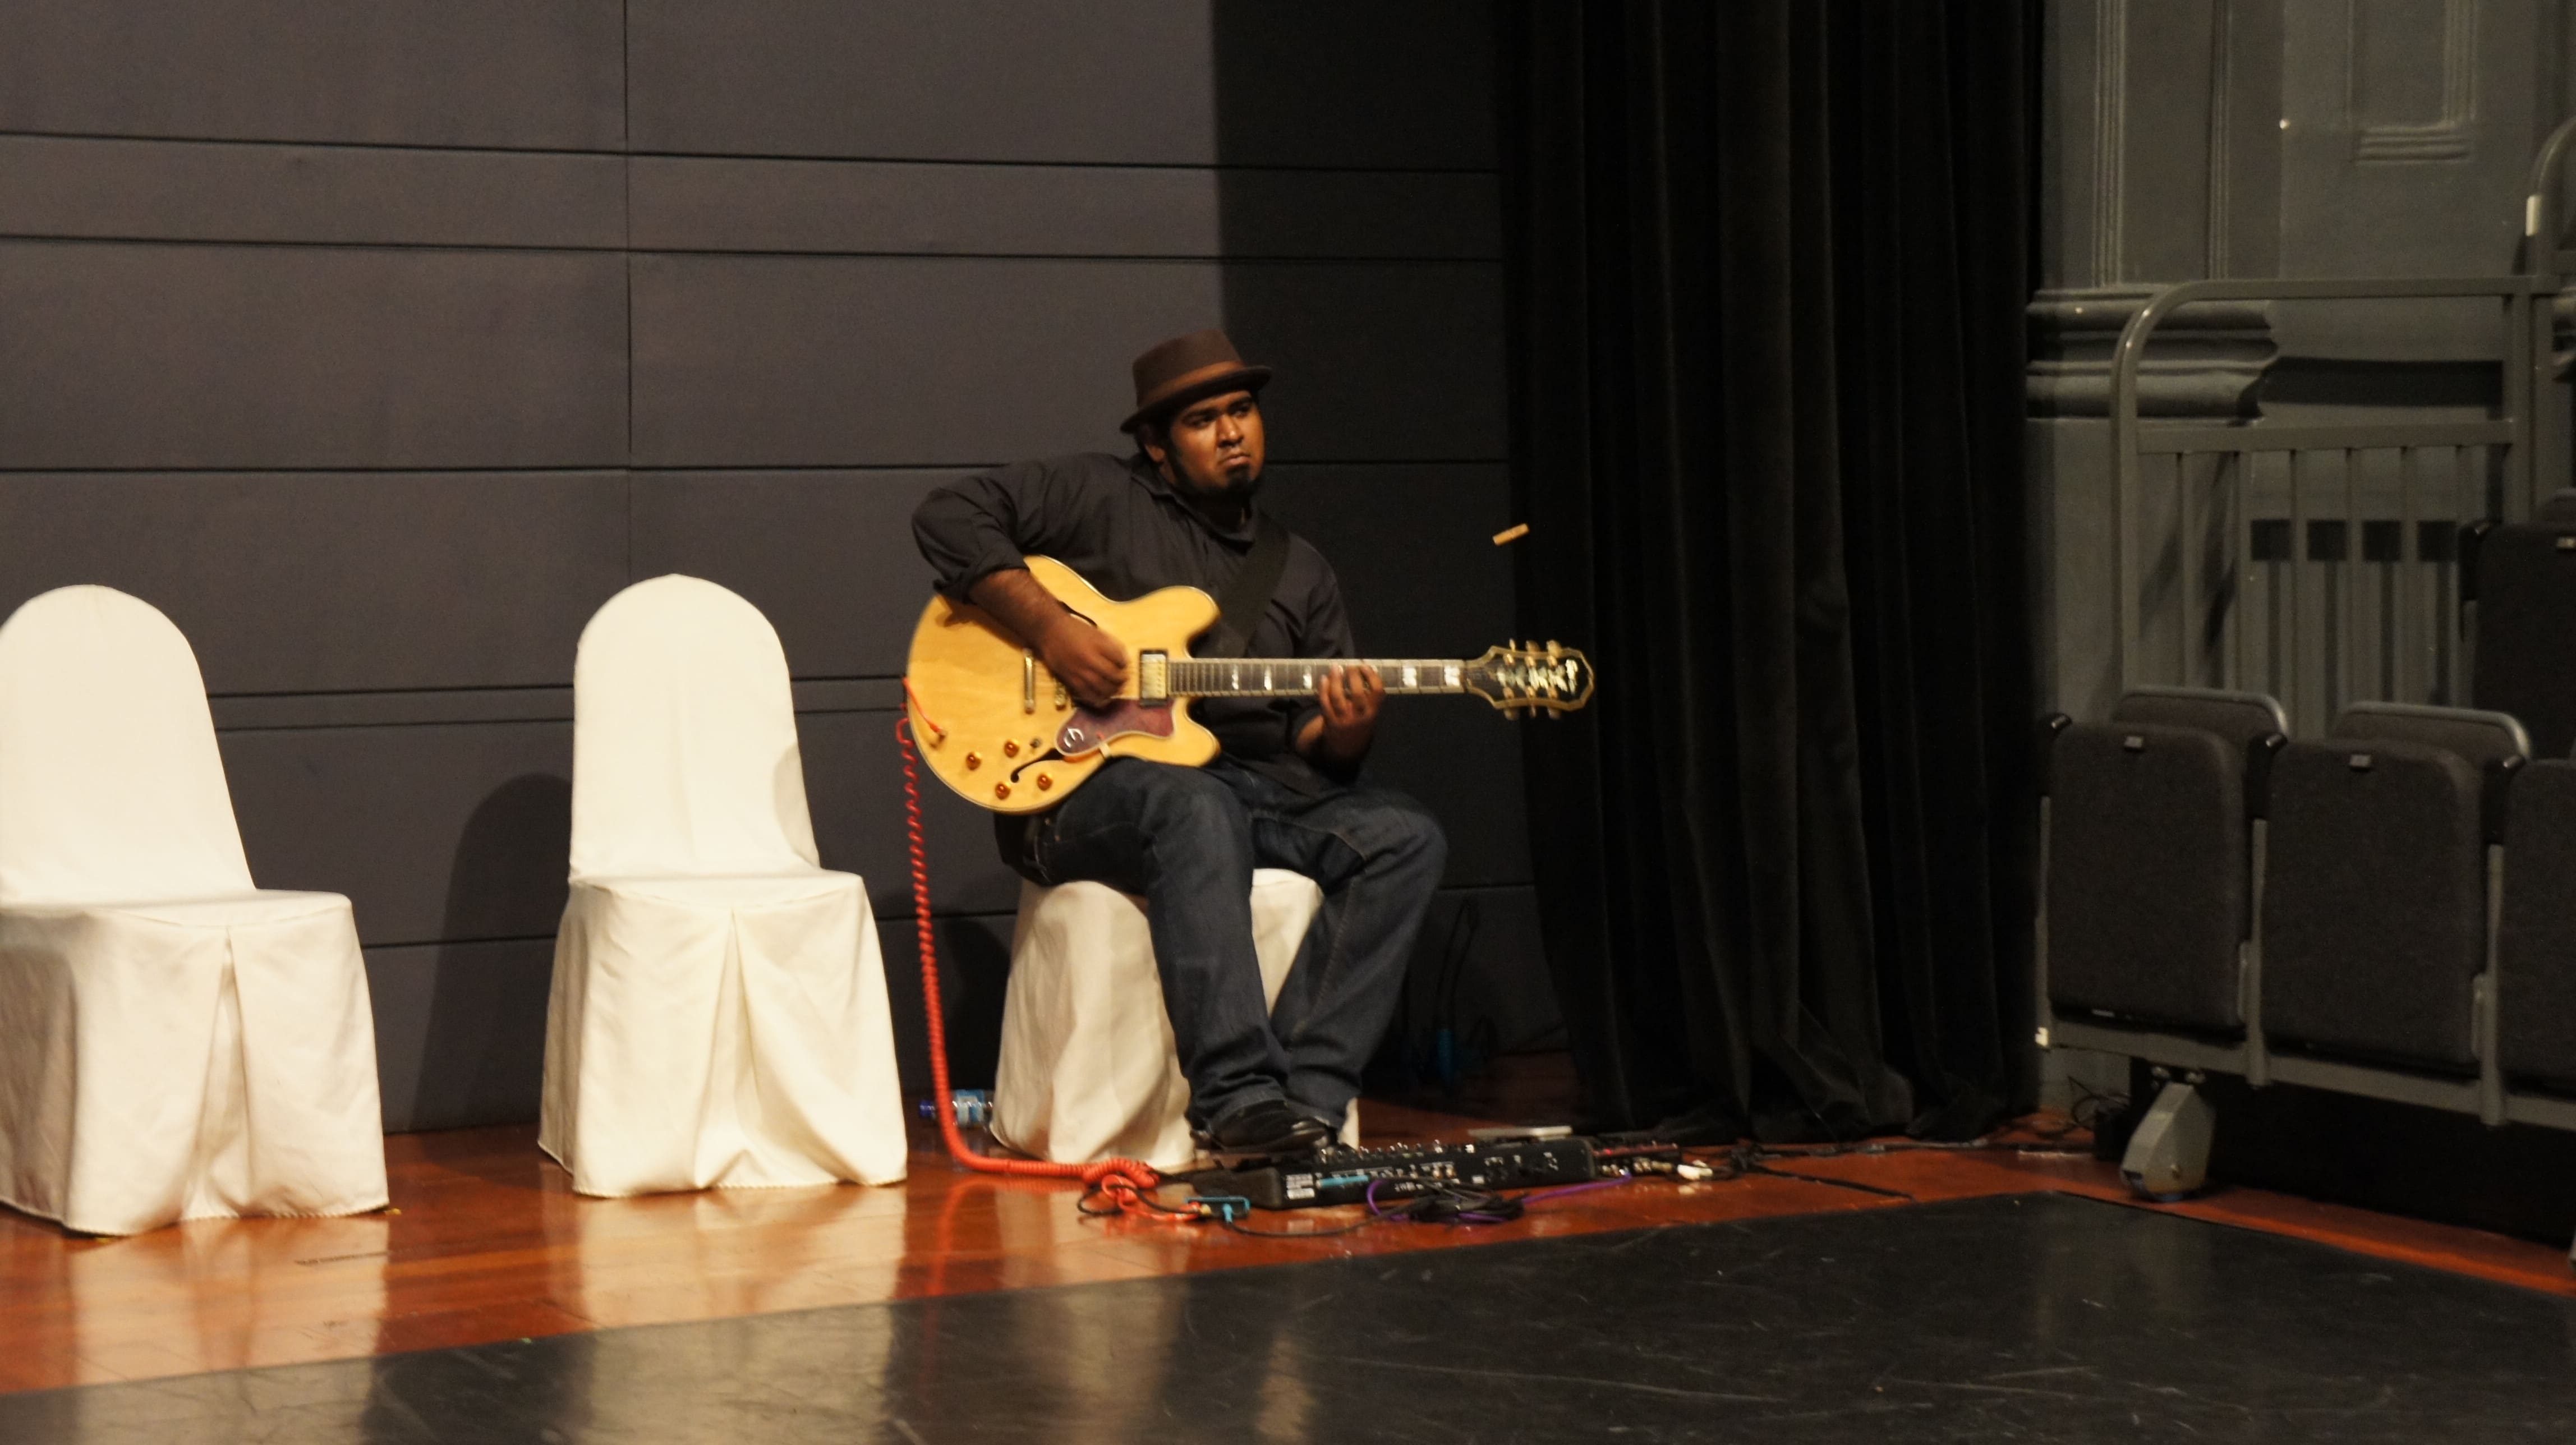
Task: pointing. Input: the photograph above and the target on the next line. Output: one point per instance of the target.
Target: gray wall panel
(810, 361)
(334, 581)
(1376, 362)
(238, 356)
(458, 73)
(1356, 83)
(684, 203)
(193, 191)
(704, 204)
(1478, 971)
(356, 336)
(1170, 82)
(854, 788)
(241, 712)
(974, 973)
(1361, 214)
(1017, 80)
(826, 556)
(1461, 760)
(460, 1032)
(1413, 548)
(438, 833)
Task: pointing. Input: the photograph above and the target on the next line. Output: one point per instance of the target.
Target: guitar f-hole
(1049, 756)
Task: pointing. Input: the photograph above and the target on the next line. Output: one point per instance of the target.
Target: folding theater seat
(2151, 868)
(2384, 857)
(2521, 579)
(2536, 942)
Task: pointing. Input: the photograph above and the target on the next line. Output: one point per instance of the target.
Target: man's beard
(1223, 488)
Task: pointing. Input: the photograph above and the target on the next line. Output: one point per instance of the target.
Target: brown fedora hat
(1186, 368)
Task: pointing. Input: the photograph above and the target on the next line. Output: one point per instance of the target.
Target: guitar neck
(1300, 676)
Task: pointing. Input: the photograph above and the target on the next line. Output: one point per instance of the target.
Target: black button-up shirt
(1118, 523)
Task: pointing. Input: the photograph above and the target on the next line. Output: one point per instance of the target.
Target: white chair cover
(719, 1013)
(1089, 1069)
(175, 1043)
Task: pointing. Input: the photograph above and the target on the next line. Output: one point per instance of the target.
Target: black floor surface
(2039, 1318)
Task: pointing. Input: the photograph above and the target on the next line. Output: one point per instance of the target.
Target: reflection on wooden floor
(486, 1242)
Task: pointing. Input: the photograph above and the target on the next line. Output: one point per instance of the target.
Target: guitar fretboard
(1300, 676)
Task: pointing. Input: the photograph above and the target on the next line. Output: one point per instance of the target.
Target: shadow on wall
(974, 971)
(485, 1034)
(1360, 209)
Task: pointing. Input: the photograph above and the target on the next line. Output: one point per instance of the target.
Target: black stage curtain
(1767, 261)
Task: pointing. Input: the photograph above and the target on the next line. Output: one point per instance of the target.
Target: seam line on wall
(622, 151)
(1336, 258)
(680, 469)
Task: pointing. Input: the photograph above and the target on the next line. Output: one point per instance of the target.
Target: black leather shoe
(1332, 1122)
(1272, 1126)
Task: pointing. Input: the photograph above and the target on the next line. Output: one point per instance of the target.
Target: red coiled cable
(1123, 1180)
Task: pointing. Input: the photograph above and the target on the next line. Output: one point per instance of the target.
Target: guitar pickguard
(1089, 728)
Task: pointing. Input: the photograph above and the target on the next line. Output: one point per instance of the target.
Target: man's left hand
(1350, 697)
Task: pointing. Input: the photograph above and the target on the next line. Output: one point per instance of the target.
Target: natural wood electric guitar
(995, 724)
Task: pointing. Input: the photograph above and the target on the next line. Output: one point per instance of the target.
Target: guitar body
(990, 721)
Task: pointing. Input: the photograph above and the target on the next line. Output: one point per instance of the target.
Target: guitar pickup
(1153, 677)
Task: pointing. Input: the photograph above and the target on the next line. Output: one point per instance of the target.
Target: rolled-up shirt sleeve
(976, 526)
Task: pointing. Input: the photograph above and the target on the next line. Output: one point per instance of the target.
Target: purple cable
(1479, 1217)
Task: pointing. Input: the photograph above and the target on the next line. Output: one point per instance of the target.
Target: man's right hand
(1091, 663)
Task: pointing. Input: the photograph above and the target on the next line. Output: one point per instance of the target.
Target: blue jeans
(1187, 839)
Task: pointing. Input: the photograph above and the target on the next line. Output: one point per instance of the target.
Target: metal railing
(2318, 562)
(2243, 550)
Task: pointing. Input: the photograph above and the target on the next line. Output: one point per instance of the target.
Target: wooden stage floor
(486, 1242)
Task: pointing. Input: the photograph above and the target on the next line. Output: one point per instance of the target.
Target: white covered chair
(1089, 1069)
(175, 1042)
(719, 1017)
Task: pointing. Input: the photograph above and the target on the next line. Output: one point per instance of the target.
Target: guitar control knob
(1010, 750)
(1045, 782)
(1001, 790)
(974, 761)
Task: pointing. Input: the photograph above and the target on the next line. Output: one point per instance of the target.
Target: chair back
(684, 739)
(111, 788)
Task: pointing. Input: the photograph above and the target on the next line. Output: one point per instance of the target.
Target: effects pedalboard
(1334, 1175)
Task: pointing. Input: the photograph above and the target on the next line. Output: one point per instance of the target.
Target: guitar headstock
(1554, 679)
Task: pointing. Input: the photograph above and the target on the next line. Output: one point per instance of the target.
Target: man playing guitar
(1283, 793)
